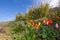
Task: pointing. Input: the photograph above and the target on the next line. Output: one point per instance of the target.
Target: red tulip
(47, 22)
(50, 22)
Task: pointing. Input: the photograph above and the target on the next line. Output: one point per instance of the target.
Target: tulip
(56, 25)
(50, 22)
(31, 21)
(37, 25)
(44, 21)
(47, 22)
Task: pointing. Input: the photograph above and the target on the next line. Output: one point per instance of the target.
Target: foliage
(16, 37)
(44, 9)
(42, 33)
(17, 28)
(29, 34)
(19, 17)
(47, 33)
(36, 13)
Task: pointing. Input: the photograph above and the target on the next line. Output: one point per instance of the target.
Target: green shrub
(47, 33)
(17, 28)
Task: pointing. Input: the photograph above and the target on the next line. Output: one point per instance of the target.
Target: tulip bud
(50, 22)
(31, 21)
(56, 25)
(44, 21)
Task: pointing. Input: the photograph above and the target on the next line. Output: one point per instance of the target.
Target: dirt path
(5, 32)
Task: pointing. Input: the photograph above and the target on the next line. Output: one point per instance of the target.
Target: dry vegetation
(5, 31)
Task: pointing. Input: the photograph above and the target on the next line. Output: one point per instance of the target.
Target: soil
(5, 32)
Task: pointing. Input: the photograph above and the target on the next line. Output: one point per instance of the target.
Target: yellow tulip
(37, 25)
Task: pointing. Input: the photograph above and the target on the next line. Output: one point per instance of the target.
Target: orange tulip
(43, 21)
(37, 26)
(31, 21)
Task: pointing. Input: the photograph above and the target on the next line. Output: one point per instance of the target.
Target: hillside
(5, 31)
(55, 9)
(20, 27)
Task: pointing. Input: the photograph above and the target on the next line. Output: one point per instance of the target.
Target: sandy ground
(5, 32)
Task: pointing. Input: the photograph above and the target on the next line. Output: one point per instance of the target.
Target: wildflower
(56, 25)
(47, 22)
(50, 22)
(37, 25)
(44, 21)
(31, 21)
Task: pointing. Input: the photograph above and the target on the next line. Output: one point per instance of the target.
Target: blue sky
(9, 8)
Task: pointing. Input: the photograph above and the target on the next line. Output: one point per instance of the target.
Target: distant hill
(55, 9)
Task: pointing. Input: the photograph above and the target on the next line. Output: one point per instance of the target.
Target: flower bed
(32, 30)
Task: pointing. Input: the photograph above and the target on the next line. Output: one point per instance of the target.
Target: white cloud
(52, 3)
(38, 2)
